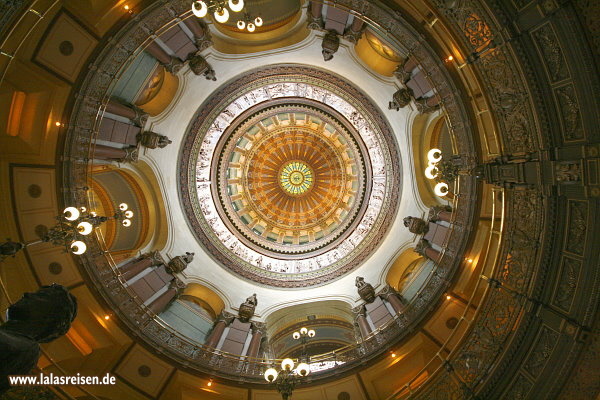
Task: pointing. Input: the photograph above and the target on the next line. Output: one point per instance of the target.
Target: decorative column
(200, 32)
(134, 267)
(102, 152)
(363, 324)
(217, 332)
(175, 288)
(396, 303)
(404, 70)
(136, 115)
(315, 19)
(254, 346)
(429, 104)
(172, 64)
(355, 32)
(425, 249)
(440, 213)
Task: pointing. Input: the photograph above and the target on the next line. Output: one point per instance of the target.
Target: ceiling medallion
(296, 178)
(291, 176)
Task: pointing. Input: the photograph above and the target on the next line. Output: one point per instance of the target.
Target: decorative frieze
(569, 112)
(542, 350)
(567, 283)
(551, 53)
(577, 218)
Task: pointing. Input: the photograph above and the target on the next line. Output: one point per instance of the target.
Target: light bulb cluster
(201, 8)
(434, 156)
(288, 377)
(287, 366)
(249, 23)
(304, 332)
(77, 221)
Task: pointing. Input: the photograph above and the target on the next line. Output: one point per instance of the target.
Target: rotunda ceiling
(290, 174)
(291, 179)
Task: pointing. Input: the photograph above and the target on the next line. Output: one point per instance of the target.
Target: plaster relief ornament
(38, 317)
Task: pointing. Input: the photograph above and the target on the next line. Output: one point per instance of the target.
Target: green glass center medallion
(296, 178)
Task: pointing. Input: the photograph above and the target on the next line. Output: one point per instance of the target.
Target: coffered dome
(291, 179)
(287, 178)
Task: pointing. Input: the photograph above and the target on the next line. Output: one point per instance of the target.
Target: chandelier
(249, 23)
(72, 225)
(219, 9)
(440, 170)
(286, 380)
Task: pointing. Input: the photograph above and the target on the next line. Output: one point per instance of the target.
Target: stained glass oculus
(296, 178)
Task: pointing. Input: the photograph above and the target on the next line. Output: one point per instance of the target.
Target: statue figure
(400, 99)
(416, 225)
(39, 317)
(152, 140)
(10, 248)
(200, 66)
(360, 282)
(180, 263)
(188, 258)
(163, 141)
(330, 45)
(252, 301)
(365, 290)
(247, 308)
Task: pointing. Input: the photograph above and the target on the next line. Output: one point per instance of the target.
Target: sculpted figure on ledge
(247, 308)
(365, 290)
(38, 317)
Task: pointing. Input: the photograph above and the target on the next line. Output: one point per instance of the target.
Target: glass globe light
(241, 24)
(311, 333)
(126, 223)
(250, 27)
(123, 206)
(303, 369)
(303, 331)
(82, 209)
(431, 171)
(129, 213)
(71, 213)
(258, 21)
(434, 155)
(287, 364)
(85, 228)
(441, 189)
(236, 5)
(296, 335)
(78, 247)
(270, 375)
(199, 9)
(222, 15)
